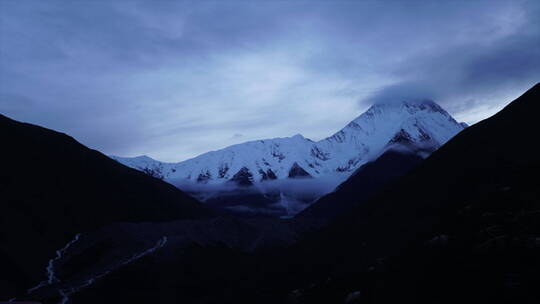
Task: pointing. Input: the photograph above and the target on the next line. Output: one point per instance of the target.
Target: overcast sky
(174, 79)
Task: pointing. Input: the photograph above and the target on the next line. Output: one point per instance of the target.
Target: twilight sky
(173, 79)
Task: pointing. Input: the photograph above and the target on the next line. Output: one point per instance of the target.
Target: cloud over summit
(176, 79)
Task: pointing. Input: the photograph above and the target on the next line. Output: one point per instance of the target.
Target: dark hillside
(478, 197)
(52, 187)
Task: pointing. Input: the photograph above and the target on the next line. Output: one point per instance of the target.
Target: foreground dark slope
(463, 225)
(52, 187)
(366, 181)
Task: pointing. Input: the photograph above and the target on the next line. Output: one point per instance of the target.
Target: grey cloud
(176, 79)
(402, 91)
(470, 74)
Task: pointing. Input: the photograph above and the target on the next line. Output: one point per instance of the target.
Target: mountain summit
(419, 125)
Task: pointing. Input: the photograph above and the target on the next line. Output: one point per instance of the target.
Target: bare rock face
(268, 175)
(204, 177)
(243, 177)
(401, 137)
(297, 171)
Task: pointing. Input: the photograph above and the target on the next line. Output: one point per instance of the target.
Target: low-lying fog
(277, 198)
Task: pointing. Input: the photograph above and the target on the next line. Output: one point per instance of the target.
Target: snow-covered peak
(418, 123)
(382, 115)
(368, 135)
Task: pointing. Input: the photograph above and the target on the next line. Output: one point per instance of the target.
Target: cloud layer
(175, 79)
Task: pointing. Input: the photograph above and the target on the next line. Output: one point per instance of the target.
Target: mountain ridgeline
(363, 183)
(421, 122)
(263, 172)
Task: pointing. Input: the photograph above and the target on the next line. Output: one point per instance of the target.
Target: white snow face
(420, 123)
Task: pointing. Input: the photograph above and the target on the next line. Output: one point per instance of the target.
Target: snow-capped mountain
(421, 124)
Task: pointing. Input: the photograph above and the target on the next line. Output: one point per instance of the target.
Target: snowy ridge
(421, 123)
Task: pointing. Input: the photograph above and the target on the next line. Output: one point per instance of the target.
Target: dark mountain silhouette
(366, 181)
(52, 187)
(462, 226)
